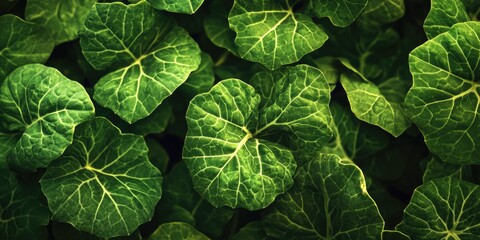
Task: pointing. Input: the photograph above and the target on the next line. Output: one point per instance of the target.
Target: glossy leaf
(104, 183)
(443, 15)
(142, 75)
(445, 97)
(44, 106)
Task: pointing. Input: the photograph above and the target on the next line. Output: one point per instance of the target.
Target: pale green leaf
(443, 15)
(328, 201)
(271, 33)
(444, 208)
(16, 49)
(142, 75)
(23, 211)
(444, 100)
(44, 106)
(63, 18)
(104, 183)
(176, 231)
(178, 6)
(340, 12)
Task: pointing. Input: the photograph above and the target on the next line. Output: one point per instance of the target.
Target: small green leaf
(328, 201)
(217, 28)
(437, 168)
(142, 75)
(444, 208)
(269, 32)
(44, 106)
(63, 18)
(23, 211)
(380, 12)
(443, 15)
(176, 231)
(103, 183)
(199, 81)
(340, 12)
(253, 230)
(16, 49)
(178, 6)
(444, 100)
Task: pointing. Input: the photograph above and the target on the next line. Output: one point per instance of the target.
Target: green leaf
(443, 15)
(394, 235)
(444, 208)
(445, 97)
(67, 231)
(44, 106)
(217, 27)
(175, 231)
(269, 32)
(253, 230)
(199, 81)
(380, 12)
(63, 18)
(23, 211)
(7, 143)
(340, 12)
(157, 154)
(182, 203)
(178, 6)
(239, 143)
(328, 201)
(16, 49)
(142, 75)
(103, 183)
(436, 168)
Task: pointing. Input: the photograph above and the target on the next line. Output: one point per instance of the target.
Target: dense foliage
(241, 119)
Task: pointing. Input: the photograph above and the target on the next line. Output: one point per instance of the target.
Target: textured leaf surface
(444, 208)
(199, 81)
(63, 18)
(7, 143)
(378, 12)
(16, 49)
(104, 183)
(44, 106)
(23, 211)
(443, 15)
(437, 168)
(445, 97)
(269, 32)
(369, 104)
(228, 165)
(217, 27)
(178, 6)
(328, 201)
(142, 75)
(340, 12)
(177, 230)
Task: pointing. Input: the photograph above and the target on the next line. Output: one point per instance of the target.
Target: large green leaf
(16, 49)
(63, 18)
(239, 143)
(23, 211)
(271, 33)
(444, 208)
(104, 183)
(445, 97)
(148, 55)
(340, 12)
(178, 6)
(328, 201)
(176, 231)
(44, 106)
(443, 15)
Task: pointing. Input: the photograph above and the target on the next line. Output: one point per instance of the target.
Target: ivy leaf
(23, 211)
(16, 49)
(269, 32)
(444, 100)
(445, 208)
(177, 6)
(328, 201)
(177, 230)
(63, 18)
(104, 183)
(44, 106)
(443, 15)
(143, 75)
(340, 12)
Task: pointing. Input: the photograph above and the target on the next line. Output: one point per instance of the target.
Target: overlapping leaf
(445, 208)
(271, 33)
(177, 230)
(178, 6)
(328, 201)
(44, 106)
(341, 12)
(443, 15)
(148, 54)
(16, 49)
(104, 183)
(445, 97)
